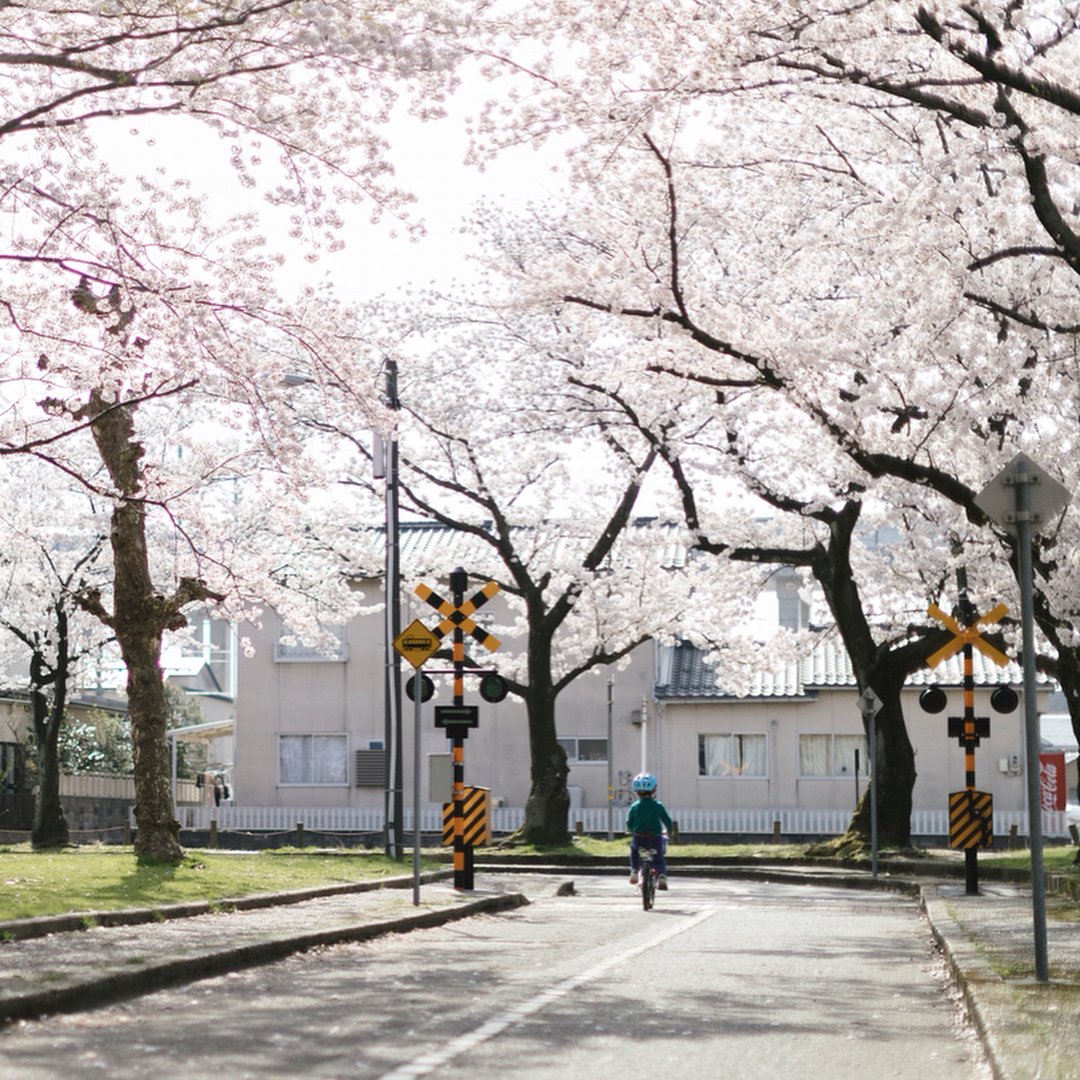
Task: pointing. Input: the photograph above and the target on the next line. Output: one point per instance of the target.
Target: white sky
(428, 160)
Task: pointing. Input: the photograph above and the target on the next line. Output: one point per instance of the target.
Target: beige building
(310, 738)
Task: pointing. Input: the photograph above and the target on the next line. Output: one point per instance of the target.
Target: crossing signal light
(933, 699)
(493, 688)
(1004, 699)
(427, 688)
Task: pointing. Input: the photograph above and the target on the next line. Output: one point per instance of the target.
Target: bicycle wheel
(648, 884)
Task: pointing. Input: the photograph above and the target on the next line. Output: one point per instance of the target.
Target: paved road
(722, 979)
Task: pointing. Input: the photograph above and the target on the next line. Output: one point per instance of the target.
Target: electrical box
(440, 778)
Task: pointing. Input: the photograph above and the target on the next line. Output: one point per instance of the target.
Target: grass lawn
(1058, 859)
(619, 848)
(101, 879)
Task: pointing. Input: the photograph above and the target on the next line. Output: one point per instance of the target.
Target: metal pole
(644, 738)
(394, 770)
(610, 763)
(1031, 716)
(873, 789)
(416, 793)
(463, 853)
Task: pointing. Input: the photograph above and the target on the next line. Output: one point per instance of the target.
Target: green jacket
(646, 816)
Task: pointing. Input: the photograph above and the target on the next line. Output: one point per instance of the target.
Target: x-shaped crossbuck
(461, 617)
(967, 635)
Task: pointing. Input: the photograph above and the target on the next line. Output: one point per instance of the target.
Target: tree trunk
(548, 804)
(140, 616)
(883, 669)
(894, 772)
(50, 827)
(138, 627)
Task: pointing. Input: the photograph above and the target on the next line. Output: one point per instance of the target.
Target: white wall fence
(97, 786)
(118, 786)
(505, 819)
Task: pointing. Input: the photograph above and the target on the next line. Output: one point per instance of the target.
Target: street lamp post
(394, 769)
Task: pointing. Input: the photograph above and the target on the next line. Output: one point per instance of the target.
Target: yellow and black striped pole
(463, 863)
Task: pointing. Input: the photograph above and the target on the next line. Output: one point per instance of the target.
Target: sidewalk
(1031, 1030)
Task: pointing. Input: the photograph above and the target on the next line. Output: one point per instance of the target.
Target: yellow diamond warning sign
(416, 643)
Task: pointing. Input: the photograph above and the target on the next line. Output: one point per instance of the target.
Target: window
(313, 759)
(831, 755)
(584, 750)
(731, 755)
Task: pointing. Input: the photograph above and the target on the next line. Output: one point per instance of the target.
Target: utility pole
(394, 807)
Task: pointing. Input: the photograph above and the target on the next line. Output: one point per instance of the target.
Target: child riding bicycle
(646, 821)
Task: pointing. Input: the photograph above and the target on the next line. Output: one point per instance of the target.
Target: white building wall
(346, 696)
(319, 696)
(939, 760)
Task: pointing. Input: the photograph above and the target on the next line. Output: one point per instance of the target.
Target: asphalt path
(721, 979)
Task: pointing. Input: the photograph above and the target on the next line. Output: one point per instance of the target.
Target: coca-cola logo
(1051, 781)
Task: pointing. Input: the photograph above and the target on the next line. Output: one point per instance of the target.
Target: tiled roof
(431, 548)
(691, 676)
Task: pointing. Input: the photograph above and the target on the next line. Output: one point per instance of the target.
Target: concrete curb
(968, 967)
(41, 925)
(168, 971)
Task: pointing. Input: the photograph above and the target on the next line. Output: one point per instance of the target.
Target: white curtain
(814, 755)
(715, 755)
(329, 760)
(294, 759)
(751, 755)
(844, 747)
(313, 759)
(731, 755)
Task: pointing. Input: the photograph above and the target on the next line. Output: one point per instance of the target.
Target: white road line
(426, 1063)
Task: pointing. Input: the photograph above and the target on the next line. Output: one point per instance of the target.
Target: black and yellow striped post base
(971, 819)
(476, 812)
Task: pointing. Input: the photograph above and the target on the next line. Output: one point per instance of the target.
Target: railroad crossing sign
(456, 719)
(460, 617)
(971, 812)
(417, 643)
(967, 635)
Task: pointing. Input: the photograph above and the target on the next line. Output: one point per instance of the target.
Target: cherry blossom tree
(127, 294)
(540, 483)
(46, 634)
(846, 233)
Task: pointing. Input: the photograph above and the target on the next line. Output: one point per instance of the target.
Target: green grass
(592, 846)
(1058, 859)
(100, 879)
